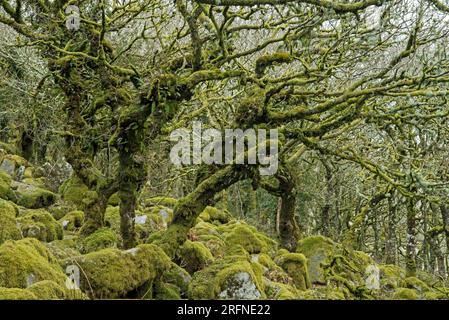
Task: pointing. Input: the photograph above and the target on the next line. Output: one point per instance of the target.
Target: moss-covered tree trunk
(410, 256)
(390, 249)
(288, 227)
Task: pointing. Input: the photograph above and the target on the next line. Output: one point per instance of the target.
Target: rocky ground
(224, 258)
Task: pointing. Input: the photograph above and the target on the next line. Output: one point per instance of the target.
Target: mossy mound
(112, 273)
(48, 290)
(230, 278)
(416, 284)
(112, 218)
(72, 220)
(8, 225)
(295, 265)
(32, 197)
(114, 200)
(405, 294)
(212, 214)
(195, 256)
(41, 225)
(101, 239)
(27, 261)
(74, 191)
(160, 201)
(241, 234)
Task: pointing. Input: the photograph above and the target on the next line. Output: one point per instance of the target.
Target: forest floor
(42, 255)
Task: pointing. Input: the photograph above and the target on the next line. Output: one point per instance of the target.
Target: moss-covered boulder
(114, 200)
(112, 218)
(72, 220)
(207, 234)
(5, 186)
(212, 214)
(74, 191)
(295, 265)
(27, 261)
(177, 276)
(32, 197)
(48, 290)
(332, 263)
(101, 239)
(195, 256)
(233, 277)
(112, 273)
(405, 294)
(160, 201)
(9, 229)
(240, 234)
(416, 284)
(41, 225)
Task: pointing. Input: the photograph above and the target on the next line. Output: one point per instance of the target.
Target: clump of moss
(405, 294)
(160, 201)
(194, 256)
(112, 218)
(295, 265)
(212, 214)
(245, 236)
(101, 239)
(112, 273)
(414, 283)
(41, 225)
(8, 225)
(114, 200)
(47, 290)
(281, 291)
(74, 191)
(27, 261)
(232, 277)
(33, 197)
(72, 220)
